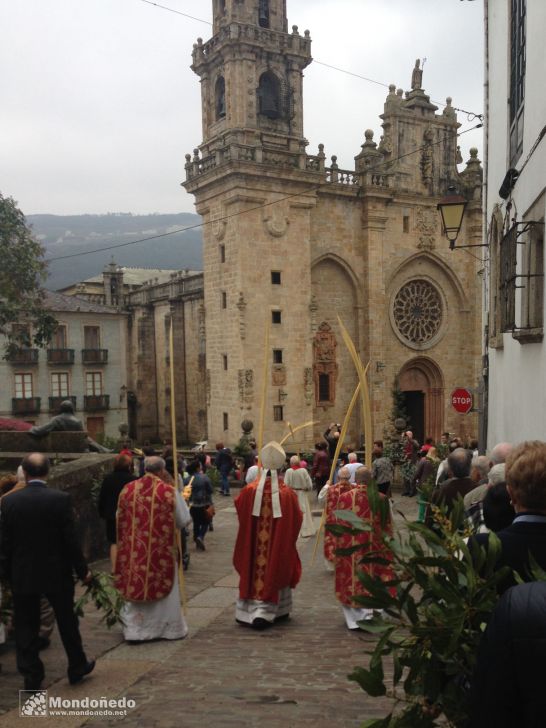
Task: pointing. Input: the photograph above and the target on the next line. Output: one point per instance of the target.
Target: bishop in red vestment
(265, 555)
(348, 585)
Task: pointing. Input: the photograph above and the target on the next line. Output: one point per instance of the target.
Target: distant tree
(22, 274)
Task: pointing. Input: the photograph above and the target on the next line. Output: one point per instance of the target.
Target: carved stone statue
(417, 76)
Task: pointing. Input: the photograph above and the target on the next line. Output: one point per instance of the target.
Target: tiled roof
(59, 302)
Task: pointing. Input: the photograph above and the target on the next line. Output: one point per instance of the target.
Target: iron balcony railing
(25, 405)
(95, 356)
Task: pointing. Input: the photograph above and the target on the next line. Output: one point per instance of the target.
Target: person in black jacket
(111, 487)
(39, 552)
(508, 684)
(526, 482)
(200, 500)
(224, 463)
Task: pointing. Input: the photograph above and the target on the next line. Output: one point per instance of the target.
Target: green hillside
(76, 234)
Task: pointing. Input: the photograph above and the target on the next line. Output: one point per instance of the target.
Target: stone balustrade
(273, 40)
(333, 174)
(179, 286)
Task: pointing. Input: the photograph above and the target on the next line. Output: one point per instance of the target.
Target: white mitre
(272, 458)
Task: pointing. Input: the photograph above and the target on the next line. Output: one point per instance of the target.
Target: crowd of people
(149, 502)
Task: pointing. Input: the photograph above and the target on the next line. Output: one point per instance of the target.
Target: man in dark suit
(526, 482)
(39, 552)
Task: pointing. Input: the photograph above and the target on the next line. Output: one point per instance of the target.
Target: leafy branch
(103, 594)
(429, 617)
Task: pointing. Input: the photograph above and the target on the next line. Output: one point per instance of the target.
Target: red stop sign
(461, 400)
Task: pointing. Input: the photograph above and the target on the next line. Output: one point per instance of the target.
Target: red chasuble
(265, 555)
(332, 498)
(146, 536)
(348, 584)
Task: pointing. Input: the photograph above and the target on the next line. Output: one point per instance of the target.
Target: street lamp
(452, 209)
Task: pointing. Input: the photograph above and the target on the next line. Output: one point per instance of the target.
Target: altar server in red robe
(265, 555)
(329, 497)
(348, 585)
(149, 512)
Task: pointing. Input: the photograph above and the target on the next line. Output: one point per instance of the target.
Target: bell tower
(251, 77)
(251, 179)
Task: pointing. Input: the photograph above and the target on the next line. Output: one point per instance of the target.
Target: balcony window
(93, 383)
(20, 333)
(59, 338)
(517, 77)
(507, 280)
(59, 384)
(23, 386)
(91, 337)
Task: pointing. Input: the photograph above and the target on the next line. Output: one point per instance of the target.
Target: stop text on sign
(461, 400)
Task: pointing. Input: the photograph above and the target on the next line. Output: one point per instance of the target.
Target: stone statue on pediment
(417, 76)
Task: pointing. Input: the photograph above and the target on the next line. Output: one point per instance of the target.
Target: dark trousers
(26, 609)
(384, 488)
(320, 482)
(224, 482)
(200, 522)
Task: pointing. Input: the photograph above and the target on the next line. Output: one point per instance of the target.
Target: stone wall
(149, 361)
(54, 442)
(81, 479)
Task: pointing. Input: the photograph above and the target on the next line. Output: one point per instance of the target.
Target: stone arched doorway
(422, 382)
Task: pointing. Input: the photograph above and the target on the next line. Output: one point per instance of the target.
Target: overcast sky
(99, 104)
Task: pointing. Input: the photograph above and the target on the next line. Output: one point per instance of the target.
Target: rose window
(417, 311)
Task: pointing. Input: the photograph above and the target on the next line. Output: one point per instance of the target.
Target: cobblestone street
(294, 674)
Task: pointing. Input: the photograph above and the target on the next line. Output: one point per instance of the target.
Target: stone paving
(223, 674)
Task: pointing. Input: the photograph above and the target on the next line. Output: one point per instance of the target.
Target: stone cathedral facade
(293, 241)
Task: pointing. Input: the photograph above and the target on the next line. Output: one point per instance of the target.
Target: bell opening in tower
(263, 16)
(269, 95)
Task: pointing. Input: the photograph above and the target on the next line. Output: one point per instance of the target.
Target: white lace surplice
(162, 619)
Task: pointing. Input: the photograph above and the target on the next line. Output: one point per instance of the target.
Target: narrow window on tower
(324, 388)
(225, 361)
(276, 277)
(278, 413)
(222, 253)
(263, 14)
(276, 317)
(277, 356)
(405, 223)
(224, 299)
(226, 421)
(220, 98)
